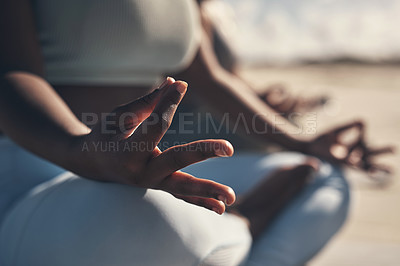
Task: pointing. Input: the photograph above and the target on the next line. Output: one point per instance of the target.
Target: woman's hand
(278, 97)
(122, 148)
(333, 147)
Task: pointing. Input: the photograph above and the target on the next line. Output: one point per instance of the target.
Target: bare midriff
(99, 99)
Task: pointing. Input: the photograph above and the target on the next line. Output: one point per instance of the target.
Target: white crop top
(115, 42)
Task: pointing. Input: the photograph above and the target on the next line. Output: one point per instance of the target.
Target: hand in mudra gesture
(134, 131)
(332, 147)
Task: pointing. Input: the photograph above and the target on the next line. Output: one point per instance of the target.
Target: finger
(187, 185)
(211, 204)
(277, 96)
(380, 173)
(345, 127)
(338, 153)
(129, 116)
(379, 169)
(364, 155)
(154, 127)
(355, 151)
(362, 158)
(314, 102)
(156, 152)
(274, 88)
(178, 157)
(382, 150)
(355, 157)
(289, 105)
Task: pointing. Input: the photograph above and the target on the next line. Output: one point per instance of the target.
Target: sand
(371, 235)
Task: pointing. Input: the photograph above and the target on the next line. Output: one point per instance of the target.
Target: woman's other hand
(122, 147)
(334, 147)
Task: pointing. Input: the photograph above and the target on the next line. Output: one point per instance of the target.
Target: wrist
(75, 151)
(300, 145)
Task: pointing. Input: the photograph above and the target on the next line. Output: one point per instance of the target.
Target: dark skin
(275, 95)
(45, 120)
(218, 86)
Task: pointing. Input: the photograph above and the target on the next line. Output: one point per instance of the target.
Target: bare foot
(260, 206)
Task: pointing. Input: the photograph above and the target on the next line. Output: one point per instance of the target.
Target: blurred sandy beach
(287, 31)
(371, 236)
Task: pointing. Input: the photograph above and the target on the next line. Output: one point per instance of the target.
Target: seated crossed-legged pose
(124, 201)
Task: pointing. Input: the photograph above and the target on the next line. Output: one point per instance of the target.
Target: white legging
(69, 220)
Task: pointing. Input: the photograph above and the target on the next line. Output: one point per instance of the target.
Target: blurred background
(348, 50)
(290, 31)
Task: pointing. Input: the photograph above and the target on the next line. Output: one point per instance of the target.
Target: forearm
(34, 116)
(228, 94)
